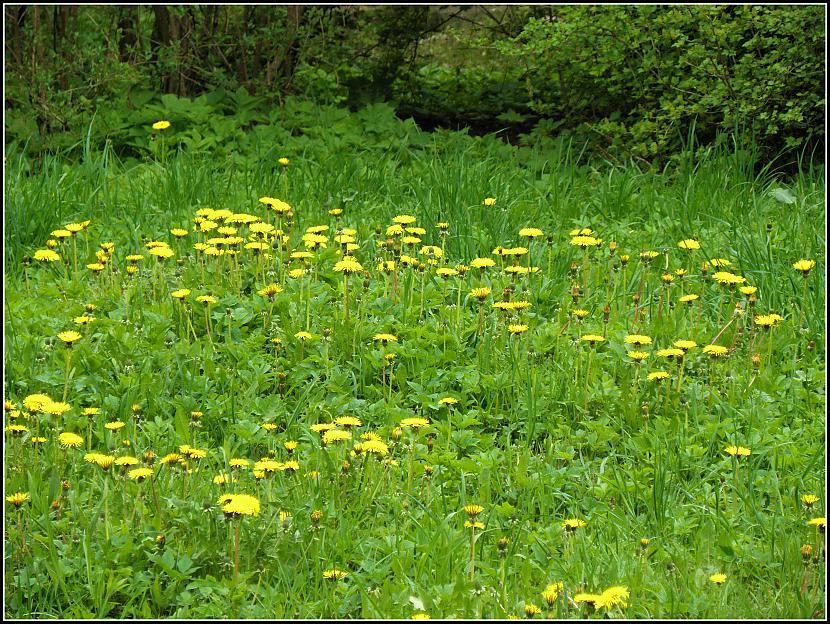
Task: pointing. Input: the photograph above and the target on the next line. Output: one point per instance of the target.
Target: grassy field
(314, 401)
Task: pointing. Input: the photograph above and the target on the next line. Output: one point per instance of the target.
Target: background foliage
(637, 82)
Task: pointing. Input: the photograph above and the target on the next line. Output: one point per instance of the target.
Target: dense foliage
(631, 82)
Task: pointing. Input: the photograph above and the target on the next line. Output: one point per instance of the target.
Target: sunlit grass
(414, 433)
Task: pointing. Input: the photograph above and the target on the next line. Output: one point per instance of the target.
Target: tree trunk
(15, 18)
(129, 39)
(166, 30)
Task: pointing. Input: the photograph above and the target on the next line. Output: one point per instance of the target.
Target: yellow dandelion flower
(18, 499)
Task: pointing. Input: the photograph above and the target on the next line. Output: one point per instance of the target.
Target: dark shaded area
(631, 82)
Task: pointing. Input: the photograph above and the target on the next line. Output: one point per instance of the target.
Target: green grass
(545, 428)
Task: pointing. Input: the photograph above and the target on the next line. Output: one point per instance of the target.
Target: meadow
(394, 374)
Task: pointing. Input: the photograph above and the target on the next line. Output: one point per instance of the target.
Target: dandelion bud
(345, 466)
(65, 485)
(396, 434)
(428, 470)
(56, 505)
(756, 360)
(644, 543)
(160, 539)
(502, 545)
(806, 552)
(429, 444)
(575, 293)
(612, 247)
(606, 312)
(149, 457)
(574, 268)
(636, 298)
(811, 345)
(316, 515)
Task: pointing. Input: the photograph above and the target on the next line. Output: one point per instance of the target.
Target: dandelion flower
(376, 447)
(70, 440)
(592, 339)
(689, 244)
(724, 277)
(46, 255)
(139, 474)
(590, 599)
(551, 593)
(658, 376)
(819, 523)
(270, 291)
(473, 510)
(162, 253)
(348, 265)
(585, 241)
(612, 597)
(161, 125)
(572, 524)
(671, 353)
(809, 499)
(335, 435)
(482, 263)
(715, 350)
(18, 499)
(347, 421)
(489, 201)
(236, 505)
(322, 427)
(415, 423)
(689, 298)
(385, 338)
(68, 337)
(531, 610)
(718, 579)
(637, 339)
(738, 451)
(334, 574)
(804, 266)
(35, 402)
(685, 345)
(114, 426)
(516, 329)
(637, 356)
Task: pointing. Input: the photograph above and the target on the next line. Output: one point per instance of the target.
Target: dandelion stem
(236, 551)
(472, 553)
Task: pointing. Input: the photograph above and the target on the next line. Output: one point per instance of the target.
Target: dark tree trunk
(129, 39)
(15, 19)
(166, 30)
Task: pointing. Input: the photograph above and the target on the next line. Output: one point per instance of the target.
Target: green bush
(641, 78)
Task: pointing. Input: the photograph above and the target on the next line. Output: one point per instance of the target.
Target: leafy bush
(639, 79)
